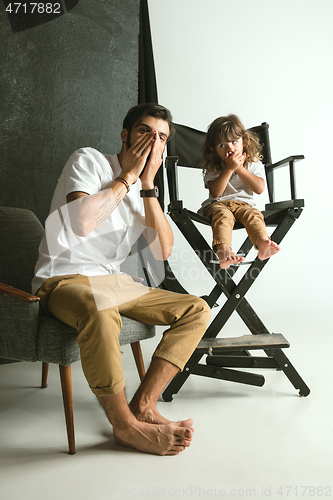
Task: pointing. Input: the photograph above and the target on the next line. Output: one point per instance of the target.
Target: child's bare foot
(227, 257)
(267, 248)
(161, 439)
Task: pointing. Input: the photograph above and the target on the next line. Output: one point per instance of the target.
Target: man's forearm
(158, 232)
(87, 212)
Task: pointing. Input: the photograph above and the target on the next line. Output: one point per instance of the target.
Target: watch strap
(149, 193)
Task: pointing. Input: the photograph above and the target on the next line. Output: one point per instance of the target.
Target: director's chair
(225, 355)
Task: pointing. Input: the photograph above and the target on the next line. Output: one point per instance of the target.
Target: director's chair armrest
(290, 160)
(283, 205)
(284, 162)
(19, 294)
(171, 165)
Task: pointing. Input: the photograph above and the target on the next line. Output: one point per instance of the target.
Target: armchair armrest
(19, 294)
(19, 324)
(290, 160)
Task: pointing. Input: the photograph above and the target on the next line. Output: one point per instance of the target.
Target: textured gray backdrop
(65, 84)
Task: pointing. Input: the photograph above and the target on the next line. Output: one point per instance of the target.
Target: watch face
(156, 191)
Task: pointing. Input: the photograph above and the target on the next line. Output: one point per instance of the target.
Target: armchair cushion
(57, 341)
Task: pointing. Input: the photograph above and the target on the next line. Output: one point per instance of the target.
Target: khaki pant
(93, 306)
(224, 214)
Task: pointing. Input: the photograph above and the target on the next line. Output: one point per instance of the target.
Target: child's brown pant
(224, 214)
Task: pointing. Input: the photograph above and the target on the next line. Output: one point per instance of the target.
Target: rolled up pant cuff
(167, 356)
(107, 391)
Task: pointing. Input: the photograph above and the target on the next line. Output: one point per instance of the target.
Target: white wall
(264, 61)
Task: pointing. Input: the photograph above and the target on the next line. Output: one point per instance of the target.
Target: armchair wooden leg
(45, 371)
(137, 353)
(67, 394)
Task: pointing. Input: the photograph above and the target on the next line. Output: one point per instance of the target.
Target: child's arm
(255, 183)
(218, 185)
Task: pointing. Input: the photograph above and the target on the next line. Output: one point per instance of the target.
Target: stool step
(261, 341)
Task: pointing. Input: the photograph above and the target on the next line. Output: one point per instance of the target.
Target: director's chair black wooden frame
(225, 355)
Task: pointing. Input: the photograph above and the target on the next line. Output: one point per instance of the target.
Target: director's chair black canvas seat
(224, 356)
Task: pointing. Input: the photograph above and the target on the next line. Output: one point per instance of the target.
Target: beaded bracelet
(124, 181)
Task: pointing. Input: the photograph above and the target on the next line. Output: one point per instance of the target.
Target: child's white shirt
(236, 189)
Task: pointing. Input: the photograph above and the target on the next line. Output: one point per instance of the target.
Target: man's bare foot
(160, 439)
(151, 415)
(227, 257)
(267, 248)
(144, 401)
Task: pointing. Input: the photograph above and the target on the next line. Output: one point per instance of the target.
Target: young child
(234, 175)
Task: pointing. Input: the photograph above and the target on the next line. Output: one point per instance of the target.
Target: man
(100, 207)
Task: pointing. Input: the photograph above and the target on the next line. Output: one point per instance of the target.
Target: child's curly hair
(227, 129)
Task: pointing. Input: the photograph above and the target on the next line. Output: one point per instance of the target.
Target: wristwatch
(149, 193)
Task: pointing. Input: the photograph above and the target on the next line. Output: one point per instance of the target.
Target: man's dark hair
(138, 112)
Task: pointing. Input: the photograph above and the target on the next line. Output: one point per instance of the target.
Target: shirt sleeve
(258, 169)
(83, 172)
(210, 176)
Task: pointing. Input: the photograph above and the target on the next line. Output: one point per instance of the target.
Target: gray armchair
(27, 335)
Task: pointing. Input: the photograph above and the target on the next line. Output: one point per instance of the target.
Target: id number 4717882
(304, 491)
(33, 8)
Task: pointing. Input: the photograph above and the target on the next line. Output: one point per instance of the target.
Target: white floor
(249, 442)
